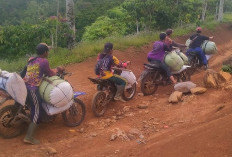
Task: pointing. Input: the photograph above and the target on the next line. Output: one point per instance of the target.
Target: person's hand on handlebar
(60, 69)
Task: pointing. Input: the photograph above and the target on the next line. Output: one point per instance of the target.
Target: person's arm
(116, 61)
(47, 70)
(177, 44)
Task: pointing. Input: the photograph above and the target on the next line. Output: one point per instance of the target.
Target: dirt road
(199, 126)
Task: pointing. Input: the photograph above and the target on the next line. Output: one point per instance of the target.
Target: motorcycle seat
(98, 80)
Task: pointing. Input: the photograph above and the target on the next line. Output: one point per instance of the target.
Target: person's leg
(202, 55)
(120, 84)
(168, 72)
(36, 105)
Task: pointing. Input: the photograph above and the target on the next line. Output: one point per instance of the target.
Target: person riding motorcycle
(37, 67)
(195, 45)
(105, 62)
(171, 43)
(157, 55)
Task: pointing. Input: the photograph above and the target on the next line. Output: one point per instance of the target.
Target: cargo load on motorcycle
(57, 94)
(14, 85)
(174, 61)
(209, 47)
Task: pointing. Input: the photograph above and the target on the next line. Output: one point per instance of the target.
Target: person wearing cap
(195, 45)
(170, 43)
(37, 68)
(108, 60)
(157, 55)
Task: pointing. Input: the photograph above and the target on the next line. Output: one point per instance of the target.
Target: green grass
(227, 17)
(84, 50)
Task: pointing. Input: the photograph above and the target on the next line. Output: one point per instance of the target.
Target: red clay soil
(199, 126)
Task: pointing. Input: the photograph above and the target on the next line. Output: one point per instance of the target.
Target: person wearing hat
(37, 68)
(171, 43)
(157, 55)
(195, 45)
(106, 60)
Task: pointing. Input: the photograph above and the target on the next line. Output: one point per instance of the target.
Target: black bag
(98, 66)
(24, 71)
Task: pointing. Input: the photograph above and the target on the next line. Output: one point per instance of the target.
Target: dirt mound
(200, 125)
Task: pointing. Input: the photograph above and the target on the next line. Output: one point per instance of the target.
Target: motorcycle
(195, 61)
(154, 76)
(14, 117)
(106, 90)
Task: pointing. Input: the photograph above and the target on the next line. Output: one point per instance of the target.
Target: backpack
(98, 68)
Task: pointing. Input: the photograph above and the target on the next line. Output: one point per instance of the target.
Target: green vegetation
(123, 22)
(227, 68)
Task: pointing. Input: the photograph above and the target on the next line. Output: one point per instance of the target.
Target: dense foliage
(25, 23)
(19, 40)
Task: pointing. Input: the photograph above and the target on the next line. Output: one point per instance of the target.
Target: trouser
(118, 80)
(35, 101)
(162, 65)
(200, 53)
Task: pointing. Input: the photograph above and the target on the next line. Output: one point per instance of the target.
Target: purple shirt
(158, 51)
(35, 72)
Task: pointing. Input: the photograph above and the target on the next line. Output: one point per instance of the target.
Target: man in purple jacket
(157, 55)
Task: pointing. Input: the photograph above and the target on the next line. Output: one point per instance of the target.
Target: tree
(71, 22)
(220, 11)
(204, 8)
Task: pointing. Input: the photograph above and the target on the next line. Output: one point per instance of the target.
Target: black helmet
(108, 47)
(163, 36)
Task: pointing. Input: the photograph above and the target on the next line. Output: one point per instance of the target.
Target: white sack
(61, 94)
(14, 85)
(52, 110)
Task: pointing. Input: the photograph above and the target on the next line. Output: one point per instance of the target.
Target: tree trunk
(137, 26)
(71, 22)
(216, 15)
(220, 11)
(204, 8)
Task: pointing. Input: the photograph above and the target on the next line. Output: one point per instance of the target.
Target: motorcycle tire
(7, 130)
(98, 103)
(194, 63)
(148, 83)
(75, 114)
(129, 93)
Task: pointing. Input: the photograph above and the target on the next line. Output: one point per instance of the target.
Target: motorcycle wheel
(194, 63)
(148, 83)
(98, 103)
(183, 76)
(7, 130)
(75, 114)
(129, 93)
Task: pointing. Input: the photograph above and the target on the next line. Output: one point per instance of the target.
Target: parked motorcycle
(14, 117)
(106, 90)
(154, 76)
